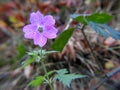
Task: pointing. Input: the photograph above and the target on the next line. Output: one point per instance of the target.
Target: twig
(68, 23)
(112, 2)
(109, 75)
(95, 60)
(115, 52)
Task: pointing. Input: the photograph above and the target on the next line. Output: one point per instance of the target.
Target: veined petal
(29, 28)
(29, 35)
(36, 17)
(30, 31)
(40, 40)
(50, 32)
(48, 20)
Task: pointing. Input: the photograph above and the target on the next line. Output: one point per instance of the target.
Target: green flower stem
(45, 70)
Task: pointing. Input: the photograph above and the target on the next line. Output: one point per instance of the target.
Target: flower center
(40, 29)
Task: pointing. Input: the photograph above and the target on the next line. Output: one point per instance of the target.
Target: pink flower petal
(50, 32)
(30, 28)
(30, 31)
(29, 35)
(40, 40)
(36, 17)
(48, 20)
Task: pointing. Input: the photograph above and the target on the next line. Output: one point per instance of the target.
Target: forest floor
(76, 56)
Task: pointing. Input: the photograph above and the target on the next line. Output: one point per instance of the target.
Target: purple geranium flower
(41, 28)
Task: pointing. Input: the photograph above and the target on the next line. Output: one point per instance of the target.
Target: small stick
(109, 75)
(92, 53)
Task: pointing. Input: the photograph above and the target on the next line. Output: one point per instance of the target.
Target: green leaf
(37, 81)
(96, 17)
(104, 30)
(13, 19)
(62, 40)
(62, 71)
(36, 52)
(77, 15)
(49, 52)
(21, 50)
(29, 61)
(49, 73)
(66, 79)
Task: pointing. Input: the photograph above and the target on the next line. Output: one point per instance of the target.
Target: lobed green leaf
(96, 17)
(28, 62)
(49, 73)
(66, 79)
(37, 81)
(104, 30)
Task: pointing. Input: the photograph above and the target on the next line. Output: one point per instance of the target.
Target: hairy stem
(45, 70)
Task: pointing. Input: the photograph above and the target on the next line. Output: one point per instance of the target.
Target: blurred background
(76, 56)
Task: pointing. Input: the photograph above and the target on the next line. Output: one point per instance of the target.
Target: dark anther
(40, 29)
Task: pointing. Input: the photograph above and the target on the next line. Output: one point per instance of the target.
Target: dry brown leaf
(68, 51)
(27, 71)
(3, 36)
(109, 65)
(16, 72)
(3, 24)
(109, 41)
